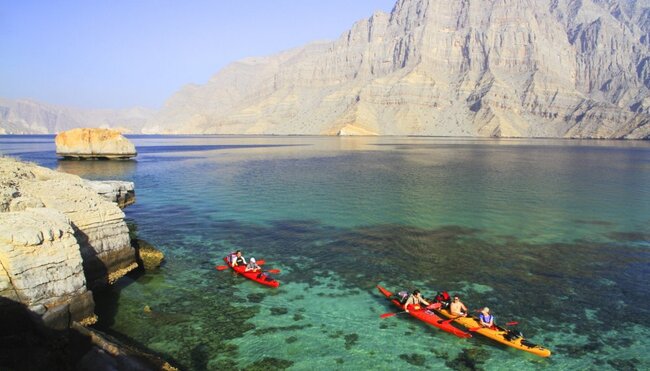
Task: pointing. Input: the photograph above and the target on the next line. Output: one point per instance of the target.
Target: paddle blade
(273, 271)
(512, 323)
(221, 267)
(386, 315)
(261, 262)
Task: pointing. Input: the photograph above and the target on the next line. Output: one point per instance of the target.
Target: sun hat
(252, 260)
(486, 310)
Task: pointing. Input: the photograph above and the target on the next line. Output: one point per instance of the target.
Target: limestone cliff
(98, 225)
(41, 266)
(516, 68)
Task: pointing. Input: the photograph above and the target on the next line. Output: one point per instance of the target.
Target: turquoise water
(550, 233)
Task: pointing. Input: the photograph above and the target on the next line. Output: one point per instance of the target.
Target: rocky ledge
(120, 192)
(94, 143)
(60, 238)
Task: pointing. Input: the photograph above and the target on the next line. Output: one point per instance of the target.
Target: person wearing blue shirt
(486, 319)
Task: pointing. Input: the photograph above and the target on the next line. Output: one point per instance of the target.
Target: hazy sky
(121, 53)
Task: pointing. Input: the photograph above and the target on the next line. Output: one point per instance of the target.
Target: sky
(127, 53)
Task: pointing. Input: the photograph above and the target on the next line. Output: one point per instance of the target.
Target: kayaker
(444, 299)
(457, 308)
(415, 299)
(252, 266)
(237, 259)
(485, 318)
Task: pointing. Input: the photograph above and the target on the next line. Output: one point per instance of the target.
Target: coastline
(62, 239)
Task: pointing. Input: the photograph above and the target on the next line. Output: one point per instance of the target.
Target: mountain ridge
(515, 68)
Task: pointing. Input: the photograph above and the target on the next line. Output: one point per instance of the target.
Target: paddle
(443, 321)
(273, 271)
(259, 262)
(386, 315)
(474, 329)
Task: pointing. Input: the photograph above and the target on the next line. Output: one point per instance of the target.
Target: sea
(552, 234)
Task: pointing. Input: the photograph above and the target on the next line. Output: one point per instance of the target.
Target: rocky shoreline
(61, 238)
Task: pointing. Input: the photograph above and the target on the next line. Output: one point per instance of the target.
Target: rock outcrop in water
(98, 225)
(120, 192)
(519, 68)
(59, 238)
(92, 143)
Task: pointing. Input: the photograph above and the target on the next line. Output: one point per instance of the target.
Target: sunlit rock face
(120, 192)
(516, 68)
(41, 266)
(98, 225)
(93, 143)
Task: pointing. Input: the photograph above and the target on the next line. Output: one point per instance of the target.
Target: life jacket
(443, 298)
(402, 296)
(485, 318)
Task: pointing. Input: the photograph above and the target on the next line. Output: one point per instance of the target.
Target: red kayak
(259, 277)
(427, 316)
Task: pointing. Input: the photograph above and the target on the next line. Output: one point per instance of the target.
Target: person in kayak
(444, 299)
(237, 259)
(457, 308)
(485, 318)
(415, 299)
(252, 266)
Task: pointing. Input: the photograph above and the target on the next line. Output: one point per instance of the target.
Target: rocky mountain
(30, 117)
(513, 68)
(504, 68)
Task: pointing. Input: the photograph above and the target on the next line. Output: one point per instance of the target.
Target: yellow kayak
(503, 336)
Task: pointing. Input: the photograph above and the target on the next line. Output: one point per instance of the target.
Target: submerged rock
(149, 257)
(94, 143)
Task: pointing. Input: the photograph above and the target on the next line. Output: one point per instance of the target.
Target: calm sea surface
(553, 234)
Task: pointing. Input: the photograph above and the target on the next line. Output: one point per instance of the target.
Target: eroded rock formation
(41, 266)
(516, 68)
(120, 192)
(98, 225)
(90, 143)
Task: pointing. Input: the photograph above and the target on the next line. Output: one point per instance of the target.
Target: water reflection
(99, 169)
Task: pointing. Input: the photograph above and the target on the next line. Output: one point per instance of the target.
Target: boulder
(94, 143)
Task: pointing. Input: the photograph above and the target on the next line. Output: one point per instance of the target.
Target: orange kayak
(499, 334)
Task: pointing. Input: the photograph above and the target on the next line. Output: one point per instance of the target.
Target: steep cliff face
(41, 266)
(521, 68)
